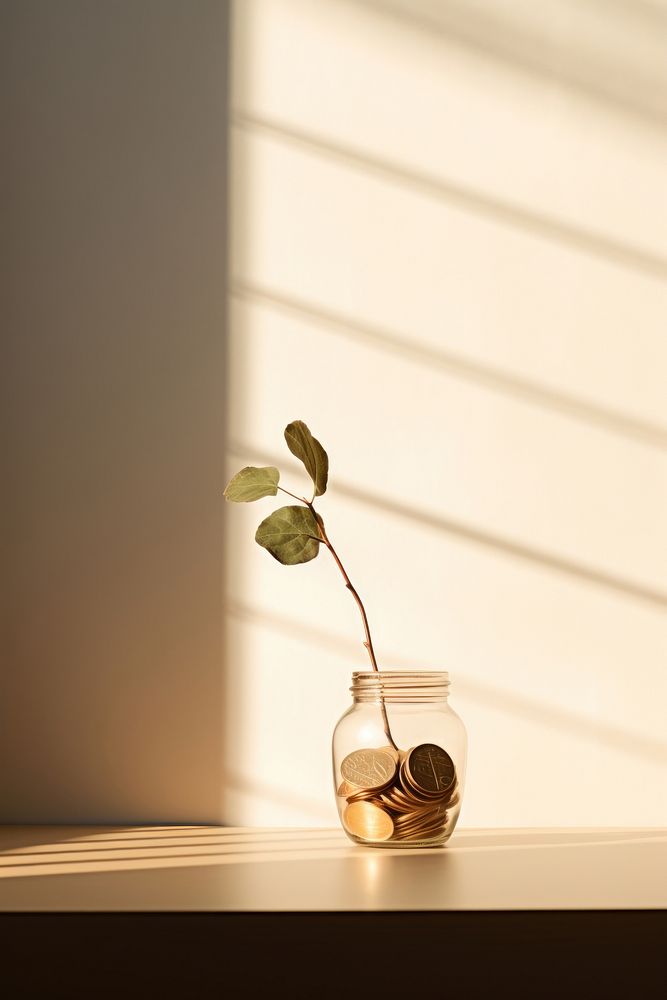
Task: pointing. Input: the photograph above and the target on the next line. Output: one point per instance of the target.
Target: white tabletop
(197, 868)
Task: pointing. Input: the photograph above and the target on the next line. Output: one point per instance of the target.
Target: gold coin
(422, 836)
(398, 793)
(369, 769)
(411, 791)
(410, 829)
(429, 769)
(363, 795)
(421, 817)
(368, 821)
(393, 804)
(346, 788)
(421, 823)
(412, 819)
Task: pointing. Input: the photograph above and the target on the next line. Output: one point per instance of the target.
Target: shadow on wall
(428, 276)
(477, 537)
(568, 723)
(494, 379)
(545, 41)
(478, 203)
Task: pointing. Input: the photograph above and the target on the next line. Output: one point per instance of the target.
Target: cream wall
(449, 258)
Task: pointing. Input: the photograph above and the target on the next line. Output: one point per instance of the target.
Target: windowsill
(236, 869)
(187, 911)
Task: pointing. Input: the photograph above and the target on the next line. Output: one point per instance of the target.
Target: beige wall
(114, 157)
(450, 252)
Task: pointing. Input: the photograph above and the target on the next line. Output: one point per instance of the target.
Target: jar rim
(400, 685)
(416, 676)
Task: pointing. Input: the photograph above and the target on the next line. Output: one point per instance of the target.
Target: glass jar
(399, 758)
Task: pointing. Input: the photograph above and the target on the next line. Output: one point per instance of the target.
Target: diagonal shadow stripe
(126, 841)
(603, 86)
(476, 536)
(91, 848)
(175, 855)
(495, 698)
(546, 227)
(490, 378)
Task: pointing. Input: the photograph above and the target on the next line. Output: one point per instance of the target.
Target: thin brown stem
(300, 499)
(364, 617)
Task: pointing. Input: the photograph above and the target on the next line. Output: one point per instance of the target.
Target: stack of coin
(398, 795)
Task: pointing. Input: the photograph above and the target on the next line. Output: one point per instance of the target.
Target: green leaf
(307, 448)
(252, 484)
(290, 534)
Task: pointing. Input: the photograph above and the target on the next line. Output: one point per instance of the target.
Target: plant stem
(364, 617)
(300, 499)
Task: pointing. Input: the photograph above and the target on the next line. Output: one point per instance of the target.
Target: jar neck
(394, 686)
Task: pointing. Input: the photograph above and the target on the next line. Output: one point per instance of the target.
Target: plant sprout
(294, 534)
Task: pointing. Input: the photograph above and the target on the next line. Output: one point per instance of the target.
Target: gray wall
(114, 127)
